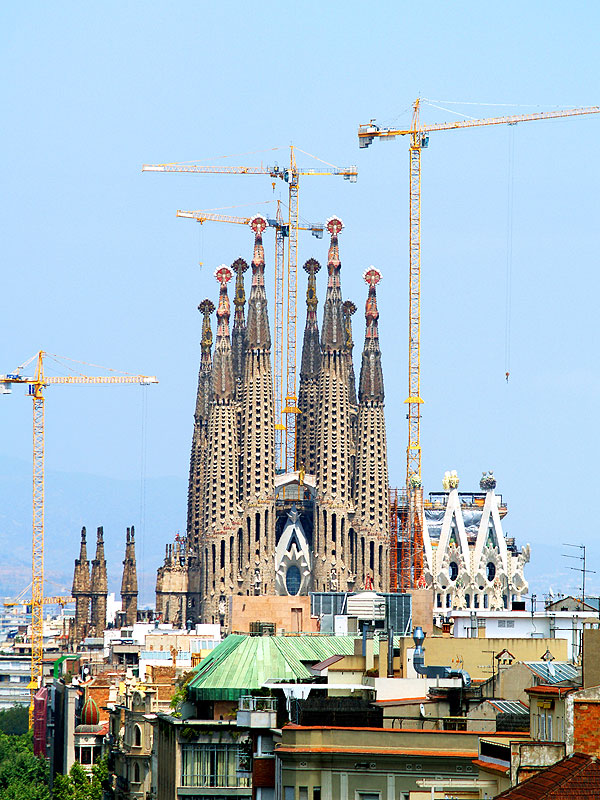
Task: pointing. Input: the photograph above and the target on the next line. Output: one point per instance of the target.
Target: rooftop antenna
(582, 568)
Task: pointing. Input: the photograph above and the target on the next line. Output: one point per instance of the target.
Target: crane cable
(509, 248)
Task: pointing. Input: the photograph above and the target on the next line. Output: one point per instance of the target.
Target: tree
(14, 720)
(23, 776)
(78, 785)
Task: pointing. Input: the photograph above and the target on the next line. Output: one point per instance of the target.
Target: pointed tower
(332, 536)
(129, 586)
(99, 587)
(348, 310)
(238, 334)
(257, 463)
(372, 519)
(220, 560)
(81, 592)
(310, 367)
(197, 458)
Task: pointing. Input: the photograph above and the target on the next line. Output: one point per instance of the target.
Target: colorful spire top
(206, 308)
(312, 266)
(223, 274)
(334, 226)
(371, 374)
(239, 266)
(372, 277)
(332, 334)
(258, 225)
(257, 328)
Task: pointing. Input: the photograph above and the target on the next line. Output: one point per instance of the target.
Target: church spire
(206, 308)
(257, 457)
(222, 375)
(371, 374)
(238, 336)
(309, 377)
(203, 398)
(258, 334)
(332, 334)
(372, 482)
(333, 507)
(99, 586)
(311, 350)
(348, 309)
(81, 591)
(129, 585)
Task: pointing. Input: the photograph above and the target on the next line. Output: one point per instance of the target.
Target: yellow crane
(21, 600)
(281, 233)
(291, 175)
(418, 133)
(36, 385)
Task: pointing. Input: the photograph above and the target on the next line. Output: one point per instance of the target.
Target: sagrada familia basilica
(256, 530)
(252, 530)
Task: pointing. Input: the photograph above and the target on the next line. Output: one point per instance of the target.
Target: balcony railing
(249, 703)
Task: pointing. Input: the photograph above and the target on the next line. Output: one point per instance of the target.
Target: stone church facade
(252, 529)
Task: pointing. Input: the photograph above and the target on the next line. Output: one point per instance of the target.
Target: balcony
(257, 712)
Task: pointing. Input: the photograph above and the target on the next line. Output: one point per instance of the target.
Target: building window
(453, 570)
(136, 772)
(288, 793)
(137, 736)
(293, 579)
(218, 765)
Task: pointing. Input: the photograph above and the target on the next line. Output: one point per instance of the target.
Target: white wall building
(468, 560)
(522, 625)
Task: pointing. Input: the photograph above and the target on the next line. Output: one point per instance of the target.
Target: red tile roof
(491, 766)
(576, 777)
(558, 691)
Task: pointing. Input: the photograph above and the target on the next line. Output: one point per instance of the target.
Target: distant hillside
(74, 500)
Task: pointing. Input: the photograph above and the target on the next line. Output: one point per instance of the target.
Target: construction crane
(291, 175)
(36, 385)
(22, 600)
(281, 233)
(411, 568)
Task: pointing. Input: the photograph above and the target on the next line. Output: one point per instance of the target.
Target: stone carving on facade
(292, 558)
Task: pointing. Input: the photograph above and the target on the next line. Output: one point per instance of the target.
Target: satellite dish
(422, 710)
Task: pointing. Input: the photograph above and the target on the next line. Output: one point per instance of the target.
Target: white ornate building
(468, 560)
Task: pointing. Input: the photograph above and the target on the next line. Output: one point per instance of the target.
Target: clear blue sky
(97, 267)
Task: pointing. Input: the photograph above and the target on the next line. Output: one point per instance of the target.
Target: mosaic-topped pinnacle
(258, 224)
(372, 276)
(223, 274)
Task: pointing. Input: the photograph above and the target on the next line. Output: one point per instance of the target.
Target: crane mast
(35, 387)
(411, 551)
(286, 403)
